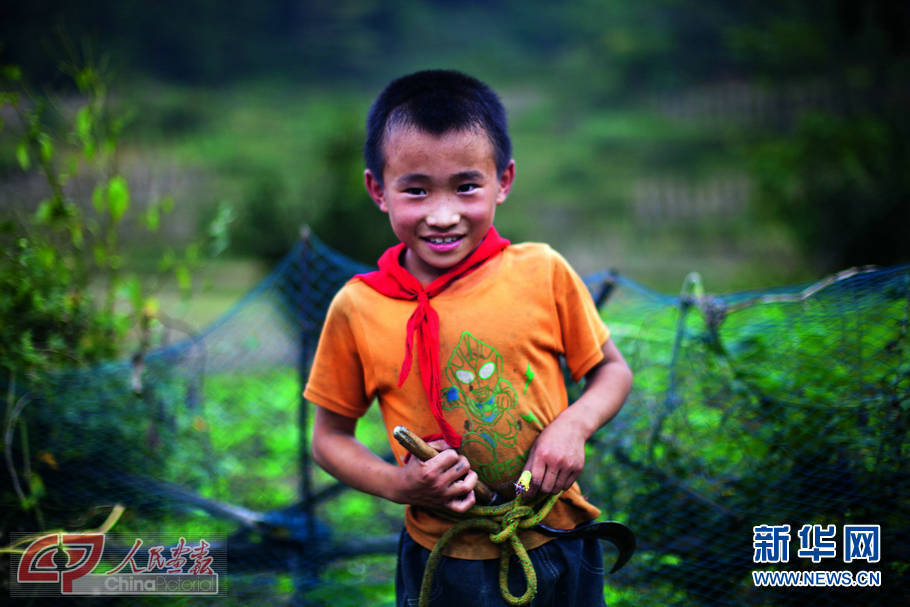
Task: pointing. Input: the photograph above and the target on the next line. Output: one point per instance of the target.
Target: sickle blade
(616, 533)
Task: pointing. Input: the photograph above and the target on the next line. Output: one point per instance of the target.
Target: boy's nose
(443, 215)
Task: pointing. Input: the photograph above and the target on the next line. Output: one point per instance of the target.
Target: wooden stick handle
(422, 451)
(415, 445)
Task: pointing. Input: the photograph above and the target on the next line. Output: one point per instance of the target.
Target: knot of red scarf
(393, 280)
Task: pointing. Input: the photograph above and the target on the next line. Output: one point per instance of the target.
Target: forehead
(410, 150)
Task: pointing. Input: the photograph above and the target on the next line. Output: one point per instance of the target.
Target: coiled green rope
(502, 522)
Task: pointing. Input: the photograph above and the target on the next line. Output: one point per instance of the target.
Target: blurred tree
(200, 41)
(348, 220)
(840, 176)
(267, 225)
(842, 184)
(588, 55)
(833, 169)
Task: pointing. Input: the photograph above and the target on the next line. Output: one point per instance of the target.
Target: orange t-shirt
(502, 331)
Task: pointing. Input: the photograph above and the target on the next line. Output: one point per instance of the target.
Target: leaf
(46, 146)
(99, 200)
(167, 204)
(22, 156)
(118, 197)
(84, 123)
(182, 274)
(44, 211)
(76, 234)
(89, 80)
(100, 255)
(84, 130)
(46, 255)
(152, 218)
(36, 484)
(167, 261)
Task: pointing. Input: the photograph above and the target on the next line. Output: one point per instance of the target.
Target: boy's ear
(505, 182)
(375, 190)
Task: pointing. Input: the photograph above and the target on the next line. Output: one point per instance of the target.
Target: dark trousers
(569, 573)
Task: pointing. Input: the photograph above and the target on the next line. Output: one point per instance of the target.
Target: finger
(462, 504)
(562, 481)
(440, 444)
(538, 476)
(458, 469)
(457, 492)
(548, 482)
(570, 480)
(463, 485)
(443, 461)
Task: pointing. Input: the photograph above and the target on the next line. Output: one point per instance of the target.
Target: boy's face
(441, 193)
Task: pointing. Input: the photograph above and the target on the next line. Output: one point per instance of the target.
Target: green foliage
(67, 299)
(312, 175)
(367, 580)
(841, 184)
(70, 297)
(781, 408)
(265, 228)
(348, 221)
(602, 58)
(246, 420)
(50, 315)
(737, 428)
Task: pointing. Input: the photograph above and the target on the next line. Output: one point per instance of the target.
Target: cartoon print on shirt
(476, 386)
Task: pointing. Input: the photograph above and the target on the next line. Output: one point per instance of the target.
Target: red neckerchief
(393, 280)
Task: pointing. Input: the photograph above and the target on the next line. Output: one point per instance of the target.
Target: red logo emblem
(60, 557)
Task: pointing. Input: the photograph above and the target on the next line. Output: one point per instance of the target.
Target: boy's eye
(467, 188)
(415, 191)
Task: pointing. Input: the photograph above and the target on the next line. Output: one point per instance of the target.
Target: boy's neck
(426, 274)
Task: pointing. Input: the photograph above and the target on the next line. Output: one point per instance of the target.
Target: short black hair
(436, 101)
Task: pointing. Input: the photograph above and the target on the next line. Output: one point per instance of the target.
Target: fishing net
(780, 407)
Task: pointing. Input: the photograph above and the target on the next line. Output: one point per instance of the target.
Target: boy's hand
(444, 481)
(556, 457)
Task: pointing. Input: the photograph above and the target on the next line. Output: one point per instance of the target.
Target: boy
(487, 322)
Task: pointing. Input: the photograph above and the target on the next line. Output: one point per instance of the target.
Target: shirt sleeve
(336, 380)
(582, 331)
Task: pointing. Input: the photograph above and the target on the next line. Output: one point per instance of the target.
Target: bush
(67, 299)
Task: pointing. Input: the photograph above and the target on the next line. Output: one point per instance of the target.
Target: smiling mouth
(442, 239)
